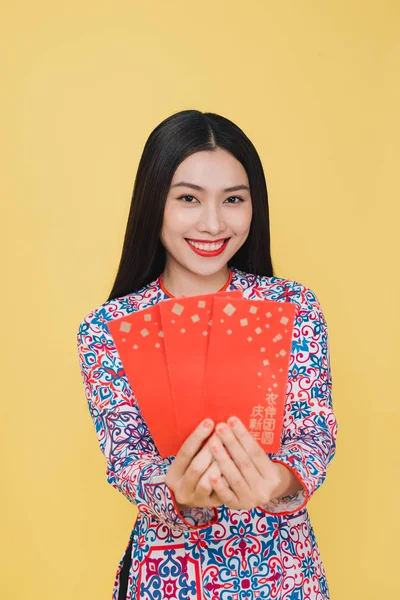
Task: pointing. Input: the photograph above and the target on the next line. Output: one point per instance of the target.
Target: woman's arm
(134, 466)
(310, 427)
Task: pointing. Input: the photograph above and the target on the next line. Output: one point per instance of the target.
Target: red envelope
(186, 323)
(247, 365)
(140, 342)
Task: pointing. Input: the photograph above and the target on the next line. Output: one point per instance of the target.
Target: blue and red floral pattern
(268, 552)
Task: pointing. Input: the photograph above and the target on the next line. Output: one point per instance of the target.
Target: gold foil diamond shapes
(195, 318)
(125, 327)
(244, 322)
(144, 332)
(229, 309)
(178, 309)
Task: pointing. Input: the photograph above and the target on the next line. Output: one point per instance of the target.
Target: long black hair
(173, 140)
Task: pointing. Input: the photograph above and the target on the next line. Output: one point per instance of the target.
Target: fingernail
(232, 421)
(208, 423)
(221, 428)
(214, 478)
(214, 448)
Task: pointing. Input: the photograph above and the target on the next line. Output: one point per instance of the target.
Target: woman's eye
(238, 198)
(186, 196)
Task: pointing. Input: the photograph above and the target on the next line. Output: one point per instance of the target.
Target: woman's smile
(209, 249)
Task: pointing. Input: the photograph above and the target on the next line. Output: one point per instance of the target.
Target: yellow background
(315, 86)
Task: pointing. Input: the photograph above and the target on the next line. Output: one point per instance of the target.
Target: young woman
(221, 520)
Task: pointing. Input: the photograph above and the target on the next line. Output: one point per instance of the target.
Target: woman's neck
(178, 281)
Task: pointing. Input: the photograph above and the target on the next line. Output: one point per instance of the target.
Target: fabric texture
(215, 554)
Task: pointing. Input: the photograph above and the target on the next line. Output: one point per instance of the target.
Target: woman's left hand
(253, 478)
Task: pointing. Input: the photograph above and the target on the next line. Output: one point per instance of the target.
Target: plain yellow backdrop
(316, 88)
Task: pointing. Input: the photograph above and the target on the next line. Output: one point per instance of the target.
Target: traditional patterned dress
(221, 553)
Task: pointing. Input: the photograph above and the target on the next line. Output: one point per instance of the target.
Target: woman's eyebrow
(198, 187)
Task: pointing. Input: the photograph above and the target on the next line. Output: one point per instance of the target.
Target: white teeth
(207, 247)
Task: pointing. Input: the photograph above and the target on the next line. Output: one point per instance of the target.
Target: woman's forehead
(210, 170)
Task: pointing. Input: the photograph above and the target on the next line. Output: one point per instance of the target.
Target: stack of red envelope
(213, 355)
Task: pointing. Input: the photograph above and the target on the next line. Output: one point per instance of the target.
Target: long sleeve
(134, 465)
(308, 442)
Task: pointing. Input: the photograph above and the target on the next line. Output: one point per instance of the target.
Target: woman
(221, 520)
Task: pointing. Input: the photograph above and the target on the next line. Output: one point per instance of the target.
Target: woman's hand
(252, 478)
(189, 475)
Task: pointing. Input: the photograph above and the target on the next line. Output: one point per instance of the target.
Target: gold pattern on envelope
(178, 309)
(229, 309)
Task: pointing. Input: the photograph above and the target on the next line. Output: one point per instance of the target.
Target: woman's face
(206, 212)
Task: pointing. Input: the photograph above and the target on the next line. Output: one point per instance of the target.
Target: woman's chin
(206, 266)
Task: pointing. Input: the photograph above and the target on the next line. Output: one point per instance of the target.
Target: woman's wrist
(288, 484)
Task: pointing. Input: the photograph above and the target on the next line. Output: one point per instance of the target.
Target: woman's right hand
(189, 475)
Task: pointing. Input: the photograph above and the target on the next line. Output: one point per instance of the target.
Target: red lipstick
(208, 253)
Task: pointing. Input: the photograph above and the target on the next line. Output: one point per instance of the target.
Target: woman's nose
(211, 220)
